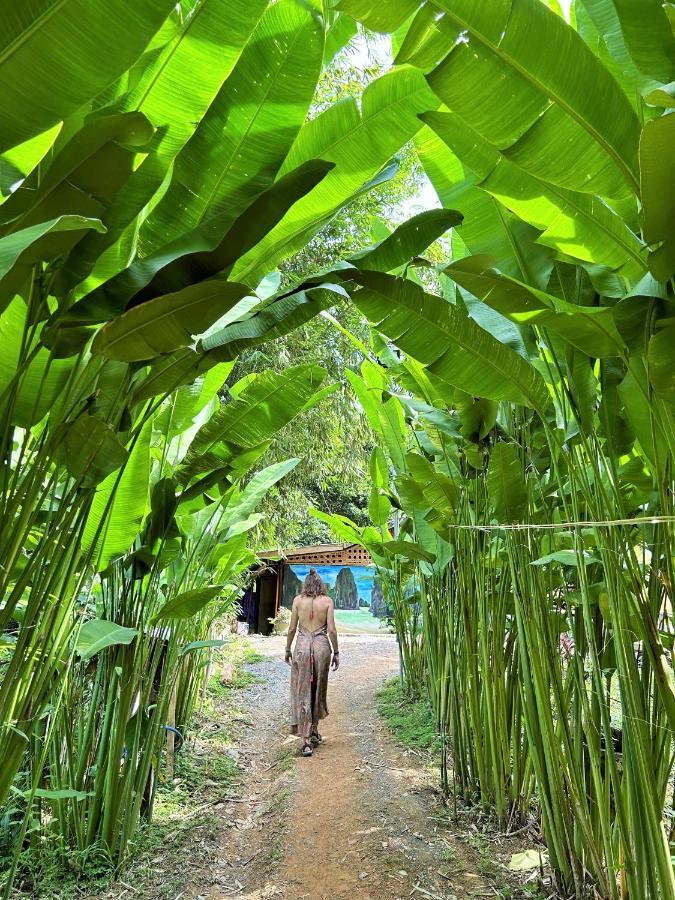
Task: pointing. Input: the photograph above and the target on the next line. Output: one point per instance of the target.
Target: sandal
(316, 738)
(307, 749)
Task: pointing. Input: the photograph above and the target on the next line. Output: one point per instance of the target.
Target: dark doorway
(259, 603)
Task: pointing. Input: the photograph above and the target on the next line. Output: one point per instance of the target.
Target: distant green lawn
(356, 620)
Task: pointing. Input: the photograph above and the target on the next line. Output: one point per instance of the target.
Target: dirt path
(356, 820)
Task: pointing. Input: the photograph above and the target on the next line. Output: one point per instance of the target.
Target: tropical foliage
(158, 166)
(524, 407)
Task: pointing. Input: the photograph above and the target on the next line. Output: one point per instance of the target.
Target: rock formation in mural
(378, 605)
(290, 587)
(345, 595)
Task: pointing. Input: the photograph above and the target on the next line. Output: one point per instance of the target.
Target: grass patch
(240, 679)
(252, 656)
(286, 761)
(409, 718)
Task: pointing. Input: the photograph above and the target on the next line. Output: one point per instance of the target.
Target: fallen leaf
(528, 859)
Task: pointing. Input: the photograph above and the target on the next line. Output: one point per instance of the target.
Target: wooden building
(266, 592)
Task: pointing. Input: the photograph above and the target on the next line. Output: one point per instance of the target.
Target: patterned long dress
(309, 680)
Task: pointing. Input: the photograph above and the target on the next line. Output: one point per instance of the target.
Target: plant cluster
(522, 483)
(157, 164)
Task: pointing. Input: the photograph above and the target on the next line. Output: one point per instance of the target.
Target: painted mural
(356, 592)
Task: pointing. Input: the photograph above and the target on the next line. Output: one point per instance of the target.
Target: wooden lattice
(325, 555)
(349, 556)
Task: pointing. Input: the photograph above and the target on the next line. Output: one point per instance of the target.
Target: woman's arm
(292, 628)
(332, 634)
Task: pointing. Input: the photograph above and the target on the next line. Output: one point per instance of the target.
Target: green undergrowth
(206, 770)
(408, 717)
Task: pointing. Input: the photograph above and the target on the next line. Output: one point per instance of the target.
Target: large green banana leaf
(168, 373)
(379, 505)
(423, 41)
(360, 143)
(268, 402)
(84, 174)
(340, 30)
(428, 500)
(590, 329)
(28, 393)
(407, 241)
(368, 537)
(207, 45)
(439, 491)
(379, 16)
(383, 412)
(242, 140)
(657, 175)
(660, 364)
(219, 480)
(89, 449)
(576, 224)
(488, 227)
(451, 345)
(527, 82)
(646, 414)
(19, 161)
(188, 404)
(208, 250)
(246, 501)
(599, 25)
(649, 37)
(97, 634)
(119, 506)
(167, 323)
(188, 603)
(506, 485)
(45, 76)
(224, 557)
(26, 247)
(270, 320)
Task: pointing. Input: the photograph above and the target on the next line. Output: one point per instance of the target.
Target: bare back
(323, 612)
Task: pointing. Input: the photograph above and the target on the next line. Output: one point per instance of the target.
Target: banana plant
(532, 481)
(170, 548)
(132, 244)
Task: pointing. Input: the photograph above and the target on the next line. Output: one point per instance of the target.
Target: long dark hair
(313, 585)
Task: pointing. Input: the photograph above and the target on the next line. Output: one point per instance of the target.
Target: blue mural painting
(353, 588)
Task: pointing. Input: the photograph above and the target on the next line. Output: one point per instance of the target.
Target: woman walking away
(313, 617)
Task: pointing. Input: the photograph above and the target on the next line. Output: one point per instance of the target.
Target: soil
(354, 821)
(360, 819)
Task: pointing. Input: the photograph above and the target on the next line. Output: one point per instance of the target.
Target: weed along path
(354, 821)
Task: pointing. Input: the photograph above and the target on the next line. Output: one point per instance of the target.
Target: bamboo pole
(171, 735)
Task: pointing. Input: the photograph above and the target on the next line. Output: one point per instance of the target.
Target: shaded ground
(361, 819)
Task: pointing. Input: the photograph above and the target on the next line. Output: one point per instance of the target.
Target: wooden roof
(322, 554)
